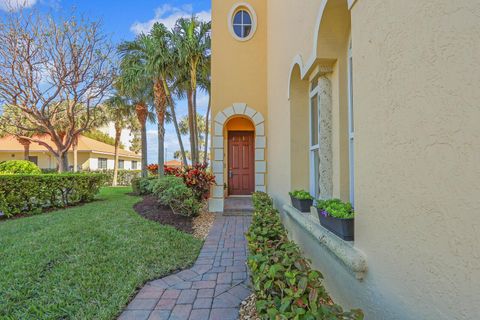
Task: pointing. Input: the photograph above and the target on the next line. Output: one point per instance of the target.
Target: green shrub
(301, 195)
(19, 167)
(124, 177)
(31, 194)
(181, 199)
(136, 186)
(336, 208)
(285, 285)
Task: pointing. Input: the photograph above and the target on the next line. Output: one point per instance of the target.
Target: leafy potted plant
(301, 200)
(337, 216)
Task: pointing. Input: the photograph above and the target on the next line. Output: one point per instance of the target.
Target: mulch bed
(150, 209)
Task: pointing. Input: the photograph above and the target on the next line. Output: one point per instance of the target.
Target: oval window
(242, 23)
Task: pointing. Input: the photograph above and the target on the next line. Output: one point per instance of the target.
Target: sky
(123, 20)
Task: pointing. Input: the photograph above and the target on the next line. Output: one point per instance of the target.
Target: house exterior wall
(417, 139)
(86, 160)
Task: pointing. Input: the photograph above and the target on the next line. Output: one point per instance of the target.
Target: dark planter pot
(343, 228)
(301, 205)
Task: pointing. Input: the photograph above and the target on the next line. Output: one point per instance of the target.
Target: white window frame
(314, 177)
(351, 125)
(100, 160)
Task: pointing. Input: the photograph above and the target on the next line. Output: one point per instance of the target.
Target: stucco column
(325, 134)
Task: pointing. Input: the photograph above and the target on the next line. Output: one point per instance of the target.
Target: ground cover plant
(285, 285)
(85, 262)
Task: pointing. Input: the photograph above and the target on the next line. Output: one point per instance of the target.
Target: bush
(195, 177)
(124, 177)
(336, 208)
(19, 167)
(285, 285)
(172, 191)
(31, 194)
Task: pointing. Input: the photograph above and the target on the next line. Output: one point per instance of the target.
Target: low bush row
(124, 177)
(285, 285)
(33, 193)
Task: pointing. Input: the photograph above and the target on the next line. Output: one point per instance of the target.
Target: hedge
(124, 177)
(285, 285)
(19, 167)
(31, 194)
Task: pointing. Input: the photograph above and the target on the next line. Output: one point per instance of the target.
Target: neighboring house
(372, 101)
(173, 163)
(92, 154)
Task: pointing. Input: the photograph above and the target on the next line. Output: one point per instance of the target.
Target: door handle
(230, 174)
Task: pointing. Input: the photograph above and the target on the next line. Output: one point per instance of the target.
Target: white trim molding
(215, 203)
(235, 8)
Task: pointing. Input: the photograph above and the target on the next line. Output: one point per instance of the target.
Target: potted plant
(337, 216)
(301, 200)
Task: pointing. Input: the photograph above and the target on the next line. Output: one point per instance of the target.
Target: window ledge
(350, 256)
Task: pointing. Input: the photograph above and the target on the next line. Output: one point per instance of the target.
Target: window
(314, 138)
(33, 159)
(102, 163)
(121, 164)
(351, 127)
(242, 24)
(134, 165)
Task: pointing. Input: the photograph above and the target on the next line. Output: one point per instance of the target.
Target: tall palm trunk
(175, 123)
(191, 127)
(142, 113)
(118, 133)
(207, 123)
(161, 109)
(193, 93)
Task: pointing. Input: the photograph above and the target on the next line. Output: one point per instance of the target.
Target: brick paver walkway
(212, 289)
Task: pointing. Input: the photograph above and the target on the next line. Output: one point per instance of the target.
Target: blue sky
(123, 19)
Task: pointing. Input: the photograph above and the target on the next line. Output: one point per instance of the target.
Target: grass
(85, 262)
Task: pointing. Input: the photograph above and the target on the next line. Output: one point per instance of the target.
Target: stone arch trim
(218, 152)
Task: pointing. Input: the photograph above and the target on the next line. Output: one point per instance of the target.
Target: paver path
(212, 289)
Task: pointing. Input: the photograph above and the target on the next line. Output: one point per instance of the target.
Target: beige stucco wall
(45, 160)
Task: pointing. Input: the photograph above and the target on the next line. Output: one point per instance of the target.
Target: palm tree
(204, 82)
(192, 43)
(133, 83)
(153, 53)
(118, 111)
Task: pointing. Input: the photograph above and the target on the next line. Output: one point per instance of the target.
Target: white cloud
(168, 15)
(15, 5)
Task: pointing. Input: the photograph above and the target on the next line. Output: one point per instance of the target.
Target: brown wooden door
(241, 163)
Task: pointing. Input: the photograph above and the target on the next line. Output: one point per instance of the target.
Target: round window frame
(235, 9)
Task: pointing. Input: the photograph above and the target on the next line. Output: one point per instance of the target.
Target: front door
(241, 163)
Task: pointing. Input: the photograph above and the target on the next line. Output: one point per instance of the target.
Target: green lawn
(85, 262)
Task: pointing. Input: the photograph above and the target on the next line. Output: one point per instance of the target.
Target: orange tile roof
(11, 144)
(173, 163)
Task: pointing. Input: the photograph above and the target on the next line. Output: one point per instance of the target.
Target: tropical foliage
(19, 167)
(285, 285)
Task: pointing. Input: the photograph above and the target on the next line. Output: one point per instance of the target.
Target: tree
(205, 81)
(152, 53)
(10, 115)
(54, 71)
(118, 111)
(192, 43)
(133, 83)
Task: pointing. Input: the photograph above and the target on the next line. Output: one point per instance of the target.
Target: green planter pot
(301, 205)
(343, 228)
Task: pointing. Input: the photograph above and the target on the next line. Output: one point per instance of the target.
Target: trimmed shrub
(19, 167)
(172, 192)
(285, 285)
(31, 194)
